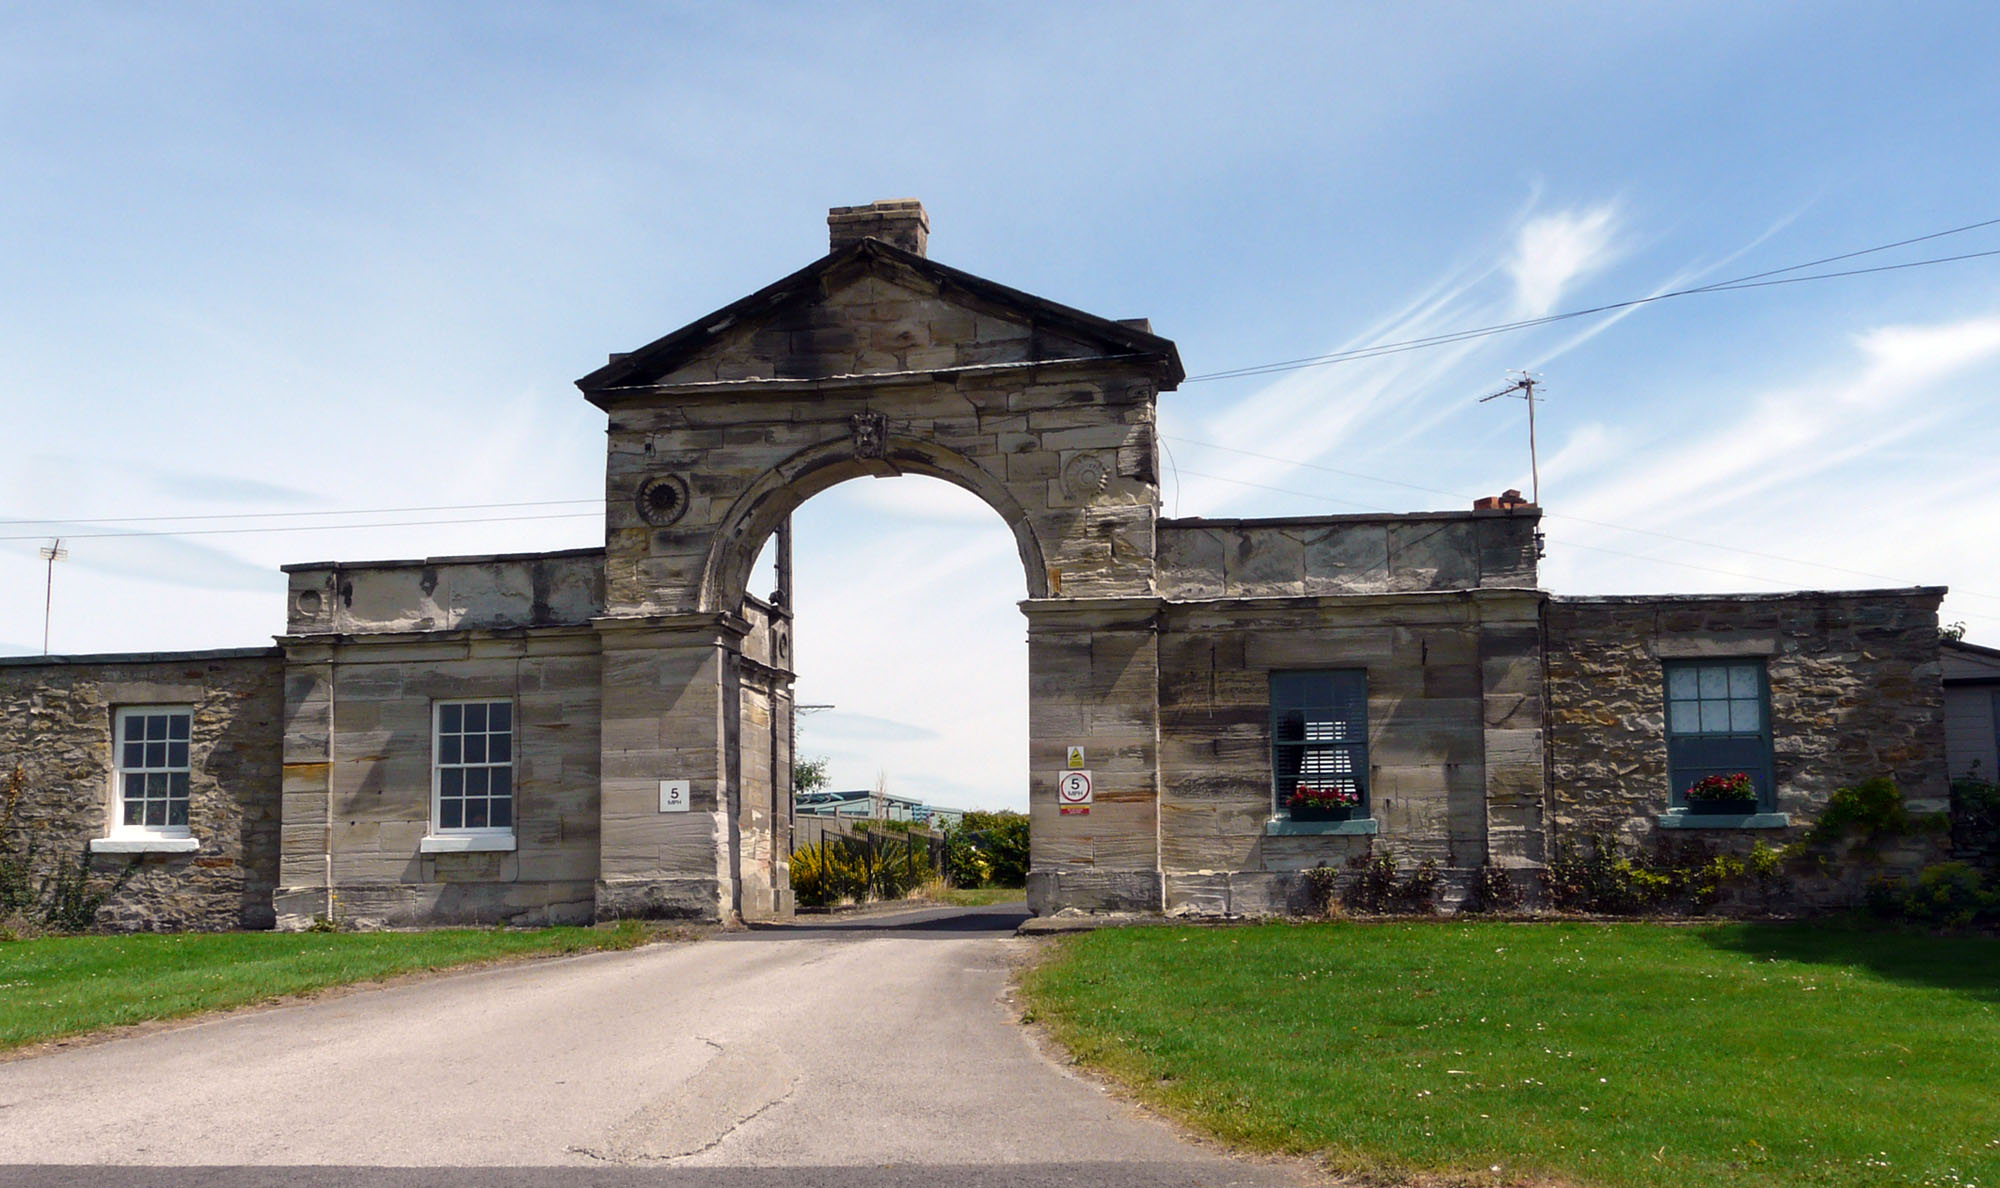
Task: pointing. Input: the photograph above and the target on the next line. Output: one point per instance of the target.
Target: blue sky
(315, 258)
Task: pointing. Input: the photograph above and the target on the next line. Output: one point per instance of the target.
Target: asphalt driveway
(871, 1051)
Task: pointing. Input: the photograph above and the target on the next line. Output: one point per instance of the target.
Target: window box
(1704, 806)
(1306, 812)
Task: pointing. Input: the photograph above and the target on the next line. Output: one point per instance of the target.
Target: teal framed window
(1718, 723)
(1319, 740)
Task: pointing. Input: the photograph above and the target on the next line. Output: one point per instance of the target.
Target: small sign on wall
(674, 796)
(1075, 759)
(1073, 790)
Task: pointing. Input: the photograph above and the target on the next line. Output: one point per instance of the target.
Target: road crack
(735, 1085)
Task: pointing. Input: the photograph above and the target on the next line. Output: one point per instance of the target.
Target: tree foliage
(808, 774)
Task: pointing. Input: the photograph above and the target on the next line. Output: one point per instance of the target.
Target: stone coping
(1768, 596)
(422, 562)
(1528, 511)
(140, 657)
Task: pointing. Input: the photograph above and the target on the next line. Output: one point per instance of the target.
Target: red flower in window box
(1323, 796)
(1723, 787)
(1723, 794)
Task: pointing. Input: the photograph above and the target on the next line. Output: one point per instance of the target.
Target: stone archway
(874, 449)
(872, 361)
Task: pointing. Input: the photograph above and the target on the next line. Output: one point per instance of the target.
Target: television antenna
(1524, 389)
(51, 553)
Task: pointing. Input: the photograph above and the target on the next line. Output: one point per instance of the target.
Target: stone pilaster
(1093, 679)
(670, 713)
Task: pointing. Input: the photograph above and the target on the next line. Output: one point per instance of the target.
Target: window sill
(144, 845)
(1682, 819)
(465, 843)
(1286, 827)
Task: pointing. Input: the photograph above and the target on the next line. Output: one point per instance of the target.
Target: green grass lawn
(976, 896)
(67, 985)
(1597, 1054)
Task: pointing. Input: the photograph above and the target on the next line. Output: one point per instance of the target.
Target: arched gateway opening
(871, 361)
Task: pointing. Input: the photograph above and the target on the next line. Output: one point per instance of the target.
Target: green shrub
(1975, 820)
(1872, 809)
(1492, 890)
(1607, 881)
(1322, 887)
(1376, 887)
(1946, 895)
(66, 898)
(991, 848)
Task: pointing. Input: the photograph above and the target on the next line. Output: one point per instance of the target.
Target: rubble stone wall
(56, 727)
(1854, 685)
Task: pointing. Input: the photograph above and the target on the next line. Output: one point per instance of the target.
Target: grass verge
(975, 896)
(1595, 1054)
(62, 986)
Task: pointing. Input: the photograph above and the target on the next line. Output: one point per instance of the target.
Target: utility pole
(1524, 388)
(51, 553)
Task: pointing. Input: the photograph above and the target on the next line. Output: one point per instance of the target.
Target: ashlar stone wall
(1323, 555)
(56, 718)
(1454, 738)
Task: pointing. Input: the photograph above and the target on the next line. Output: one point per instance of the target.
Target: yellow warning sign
(1076, 758)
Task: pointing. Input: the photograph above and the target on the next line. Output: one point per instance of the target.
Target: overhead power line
(1769, 581)
(1755, 280)
(1546, 515)
(351, 511)
(313, 527)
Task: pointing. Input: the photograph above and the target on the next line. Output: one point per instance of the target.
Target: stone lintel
(1712, 644)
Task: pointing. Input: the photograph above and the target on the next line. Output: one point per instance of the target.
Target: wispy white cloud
(1553, 252)
(1784, 436)
(1397, 398)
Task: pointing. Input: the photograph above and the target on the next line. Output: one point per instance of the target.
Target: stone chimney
(898, 222)
(1507, 500)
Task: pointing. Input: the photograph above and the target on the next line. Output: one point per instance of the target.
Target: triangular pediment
(875, 309)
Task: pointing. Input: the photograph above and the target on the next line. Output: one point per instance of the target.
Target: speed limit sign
(1073, 793)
